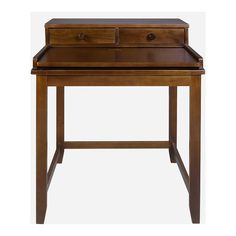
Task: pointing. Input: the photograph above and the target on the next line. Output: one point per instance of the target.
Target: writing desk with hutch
(117, 52)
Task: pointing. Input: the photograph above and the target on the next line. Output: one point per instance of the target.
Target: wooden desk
(117, 52)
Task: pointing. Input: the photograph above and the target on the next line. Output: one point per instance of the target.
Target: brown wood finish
(116, 144)
(172, 120)
(82, 36)
(119, 80)
(52, 166)
(118, 71)
(39, 55)
(181, 166)
(41, 148)
(117, 52)
(111, 22)
(60, 122)
(195, 55)
(186, 36)
(194, 148)
(116, 57)
(159, 36)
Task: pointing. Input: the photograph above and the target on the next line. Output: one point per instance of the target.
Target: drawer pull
(82, 36)
(151, 37)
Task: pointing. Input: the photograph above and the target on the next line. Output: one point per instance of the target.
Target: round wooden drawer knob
(82, 36)
(151, 37)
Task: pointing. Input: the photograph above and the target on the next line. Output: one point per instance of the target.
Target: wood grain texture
(161, 36)
(52, 166)
(41, 148)
(172, 120)
(117, 52)
(60, 121)
(117, 57)
(194, 149)
(119, 71)
(195, 55)
(75, 80)
(181, 166)
(39, 55)
(116, 144)
(88, 36)
(112, 22)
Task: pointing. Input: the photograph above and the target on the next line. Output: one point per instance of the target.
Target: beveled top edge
(115, 22)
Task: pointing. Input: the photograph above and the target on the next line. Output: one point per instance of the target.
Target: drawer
(82, 36)
(151, 36)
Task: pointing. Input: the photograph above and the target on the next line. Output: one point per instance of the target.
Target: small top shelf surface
(88, 22)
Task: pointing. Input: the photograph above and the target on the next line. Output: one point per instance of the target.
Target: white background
(118, 186)
(16, 103)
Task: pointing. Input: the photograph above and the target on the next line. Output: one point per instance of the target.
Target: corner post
(194, 148)
(41, 148)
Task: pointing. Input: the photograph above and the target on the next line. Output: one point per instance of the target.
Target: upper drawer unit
(81, 36)
(151, 36)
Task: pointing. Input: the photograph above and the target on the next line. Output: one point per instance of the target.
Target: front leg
(41, 148)
(194, 148)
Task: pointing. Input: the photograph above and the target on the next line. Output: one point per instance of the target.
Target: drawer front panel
(82, 36)
(149, 36)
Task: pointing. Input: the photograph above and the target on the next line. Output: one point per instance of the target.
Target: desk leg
(41, 148)
(194, 148)
(60, 122)
(172, 121)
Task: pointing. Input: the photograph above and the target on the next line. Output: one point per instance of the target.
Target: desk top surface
(112, 22)
(117, 57)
